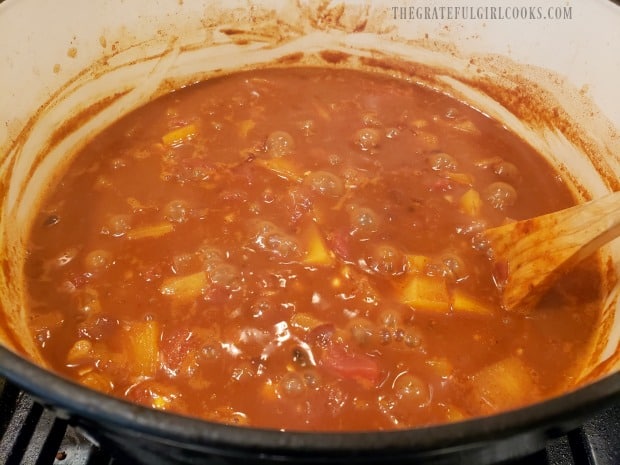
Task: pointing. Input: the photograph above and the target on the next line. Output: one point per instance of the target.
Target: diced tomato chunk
(176, 346)
(339, 243)
(440, 185)
(321, 335)
(350, 365)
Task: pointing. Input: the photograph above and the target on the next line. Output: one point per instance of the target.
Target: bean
(507, 171)
(501, 168)
(410, 391)
(474, 227)
(367, 138)
(364, 220)
(88, 301)
(300, 357)
(500, 195)
(392, 133)
(312, 378)
(225, 275)
(97, 260)
(298, 202)
(268, 196)
(117, 225)
(353, 177)
(279, 144)
(265, 228)
(291, 385)
(336, 398)
(362, 331)
(390, 318)
(209, 256)
(251, 341)
(334, 159)
(176, 211)
(183, 263)
(385, 336)
(283, 246)
(263, 307)
(412, 337)
(325, 183)
(453, 267)
(371, 119)
(387, 260)
(480, 243)
(81, 350)
(442, 161)
(269, 238)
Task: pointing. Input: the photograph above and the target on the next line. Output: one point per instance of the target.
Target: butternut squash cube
(426, 293)
(317, 252)
(416, 263)
(464, 303)
(143, 345)
(185, 287)
(504, 385)
(305, 321)
(431, 293)
(440, 366)
(453, 413)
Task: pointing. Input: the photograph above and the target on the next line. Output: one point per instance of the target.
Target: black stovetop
(32, 435)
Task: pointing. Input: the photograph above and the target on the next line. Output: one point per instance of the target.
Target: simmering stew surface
(300, 249)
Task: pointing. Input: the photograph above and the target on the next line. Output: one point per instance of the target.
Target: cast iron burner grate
(32, 435)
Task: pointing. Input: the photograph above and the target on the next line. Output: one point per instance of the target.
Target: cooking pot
(70, 67)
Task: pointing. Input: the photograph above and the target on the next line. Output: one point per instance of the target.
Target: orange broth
(300, 249)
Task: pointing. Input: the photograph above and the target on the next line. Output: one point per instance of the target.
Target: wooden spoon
(531, 254)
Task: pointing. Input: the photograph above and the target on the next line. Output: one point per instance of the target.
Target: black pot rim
(81, 403)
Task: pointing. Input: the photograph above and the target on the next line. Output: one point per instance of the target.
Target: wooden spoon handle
(536, 251)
